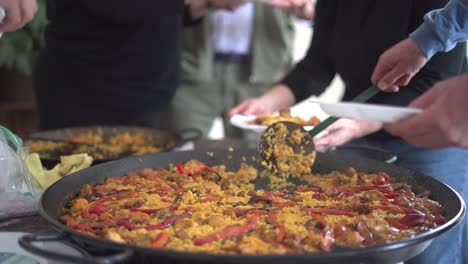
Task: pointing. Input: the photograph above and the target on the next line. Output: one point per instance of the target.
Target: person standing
(441, 30)
(444, 122)
(348, 39)
(232, 56)
(110, 62)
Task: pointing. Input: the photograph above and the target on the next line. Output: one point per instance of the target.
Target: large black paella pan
(59, 194)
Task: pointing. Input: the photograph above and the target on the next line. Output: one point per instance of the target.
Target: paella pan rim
(340, 253)
(166, 139)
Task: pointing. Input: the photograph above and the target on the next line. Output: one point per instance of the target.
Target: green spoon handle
(362, 97)
(366, 95)
(322, 125)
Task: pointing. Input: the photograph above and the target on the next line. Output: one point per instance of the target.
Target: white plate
(242, 121)
(367, 112)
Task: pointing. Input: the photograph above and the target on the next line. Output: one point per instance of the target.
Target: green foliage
(18, 49)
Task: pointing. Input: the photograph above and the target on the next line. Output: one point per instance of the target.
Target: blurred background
(19, 49)
(17, 53)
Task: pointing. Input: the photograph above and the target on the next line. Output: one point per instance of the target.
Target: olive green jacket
(271, 51)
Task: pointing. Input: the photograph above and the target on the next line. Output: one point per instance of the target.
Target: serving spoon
(288, 135)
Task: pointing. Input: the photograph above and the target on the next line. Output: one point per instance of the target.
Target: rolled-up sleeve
(443, 28)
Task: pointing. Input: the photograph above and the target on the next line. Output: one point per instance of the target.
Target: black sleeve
(188, 20)
(441, 66)
(315, 72)
(134, 10)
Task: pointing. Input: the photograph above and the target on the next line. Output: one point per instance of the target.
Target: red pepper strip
(273, 219)
(390, 201)
(342, 194)
(180, 168)
(193, 171)
(398, 209)
(97, 209)
(161, 240)
(391, 195)
(439, 220)
(125, 194)
(319, 218)
(274, 194)
(161, 191)
(173, 207)
(127, 224)
(180, 191)
(146, 211)
(302, 188)
(230, 231)
(169, 221)
(412, 218)
(175, 203)
(82, 227)
(328, 240)
(328, 211)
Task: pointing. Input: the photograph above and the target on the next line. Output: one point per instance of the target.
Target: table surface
(35, 223)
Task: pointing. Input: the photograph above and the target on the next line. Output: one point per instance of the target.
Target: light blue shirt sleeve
(443, 28)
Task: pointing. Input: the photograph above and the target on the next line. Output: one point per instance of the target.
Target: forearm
(443, 28)
(278, 97)
(307, 78)
(315, 71)
(131, 10)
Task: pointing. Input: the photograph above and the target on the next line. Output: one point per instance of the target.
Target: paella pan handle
(28, 243)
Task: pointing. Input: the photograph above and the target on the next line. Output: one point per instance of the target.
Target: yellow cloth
(68, 165)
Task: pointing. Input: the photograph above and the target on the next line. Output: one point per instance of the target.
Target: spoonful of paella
(286, 148)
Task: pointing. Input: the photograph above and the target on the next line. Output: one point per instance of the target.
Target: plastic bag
(19, 194)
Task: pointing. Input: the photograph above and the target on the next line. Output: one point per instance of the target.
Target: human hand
(276, 98)
(301, 8)
(344, 130)
(444, 122)
(199, 8)
(398, 65)
(253, 106)
(230, 5)
(18, 13)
